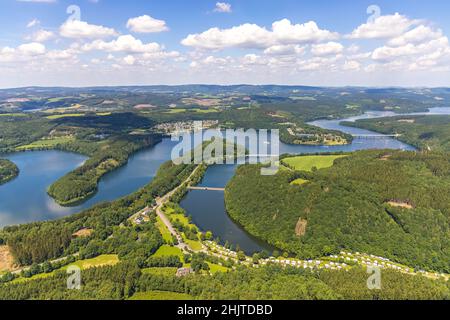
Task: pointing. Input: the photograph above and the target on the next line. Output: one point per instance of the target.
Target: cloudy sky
(328, 43)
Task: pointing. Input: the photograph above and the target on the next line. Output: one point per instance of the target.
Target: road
(160, 202)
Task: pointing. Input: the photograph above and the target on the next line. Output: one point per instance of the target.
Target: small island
(8, 171)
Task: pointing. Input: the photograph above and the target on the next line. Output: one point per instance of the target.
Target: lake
(25, 199)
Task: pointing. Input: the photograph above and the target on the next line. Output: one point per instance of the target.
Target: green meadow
(307, 163)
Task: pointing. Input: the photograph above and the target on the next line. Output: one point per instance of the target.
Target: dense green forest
(388, 203)
(108, 140)
(81, 183)
(8, 171)
(431, 132)
(15, 131)
(127, 278)
(105, 155)
(346, 207)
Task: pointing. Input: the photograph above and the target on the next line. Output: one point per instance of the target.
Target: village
(183, 126)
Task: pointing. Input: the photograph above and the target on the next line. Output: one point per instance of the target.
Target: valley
(112, 203)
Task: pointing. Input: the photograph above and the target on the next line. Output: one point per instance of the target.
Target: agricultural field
(65, 115)
(45, 143)
(13, 115)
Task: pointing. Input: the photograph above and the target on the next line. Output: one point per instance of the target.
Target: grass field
(58, 99)
(214, 268)
(102, 260)
(65, 115)
(306, 163)
(74, 115)
(194, 245)
(206, 110)
(36, 277)
(180, 217)
(167, 236)
(45, 143)
(13, 115)
(299, 182)
(161, 295)
(167, 250)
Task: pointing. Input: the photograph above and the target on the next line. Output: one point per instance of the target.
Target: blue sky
(172, 42)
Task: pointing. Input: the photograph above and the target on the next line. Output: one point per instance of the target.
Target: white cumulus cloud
(126, 43)
(325, 49)
(80, 29)
(417, 35)
(31, 49)
(42, 35)
(387, 26)
(223, 7)
(129, 60)
(280, 50)
(253, 36)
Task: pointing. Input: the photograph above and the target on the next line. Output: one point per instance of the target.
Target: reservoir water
(25, 199)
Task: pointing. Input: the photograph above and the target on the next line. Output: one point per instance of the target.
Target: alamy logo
(215, 146)
(374, 281)
(74, 278)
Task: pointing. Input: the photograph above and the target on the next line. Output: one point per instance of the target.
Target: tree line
(346, 207)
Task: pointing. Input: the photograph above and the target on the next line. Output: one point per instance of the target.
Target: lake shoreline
(139, 170)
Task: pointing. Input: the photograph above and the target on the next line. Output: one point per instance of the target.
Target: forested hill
(431, 132)
(42, 241)
(127, 280)
(81, 183)
(8, 171)
(388, 203)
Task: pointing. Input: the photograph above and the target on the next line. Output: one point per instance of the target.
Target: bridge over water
(375, 136)
(206, 189)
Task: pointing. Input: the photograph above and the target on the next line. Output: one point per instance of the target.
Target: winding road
(160, 202)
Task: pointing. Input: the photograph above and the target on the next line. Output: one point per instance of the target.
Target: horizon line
(224, 85)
